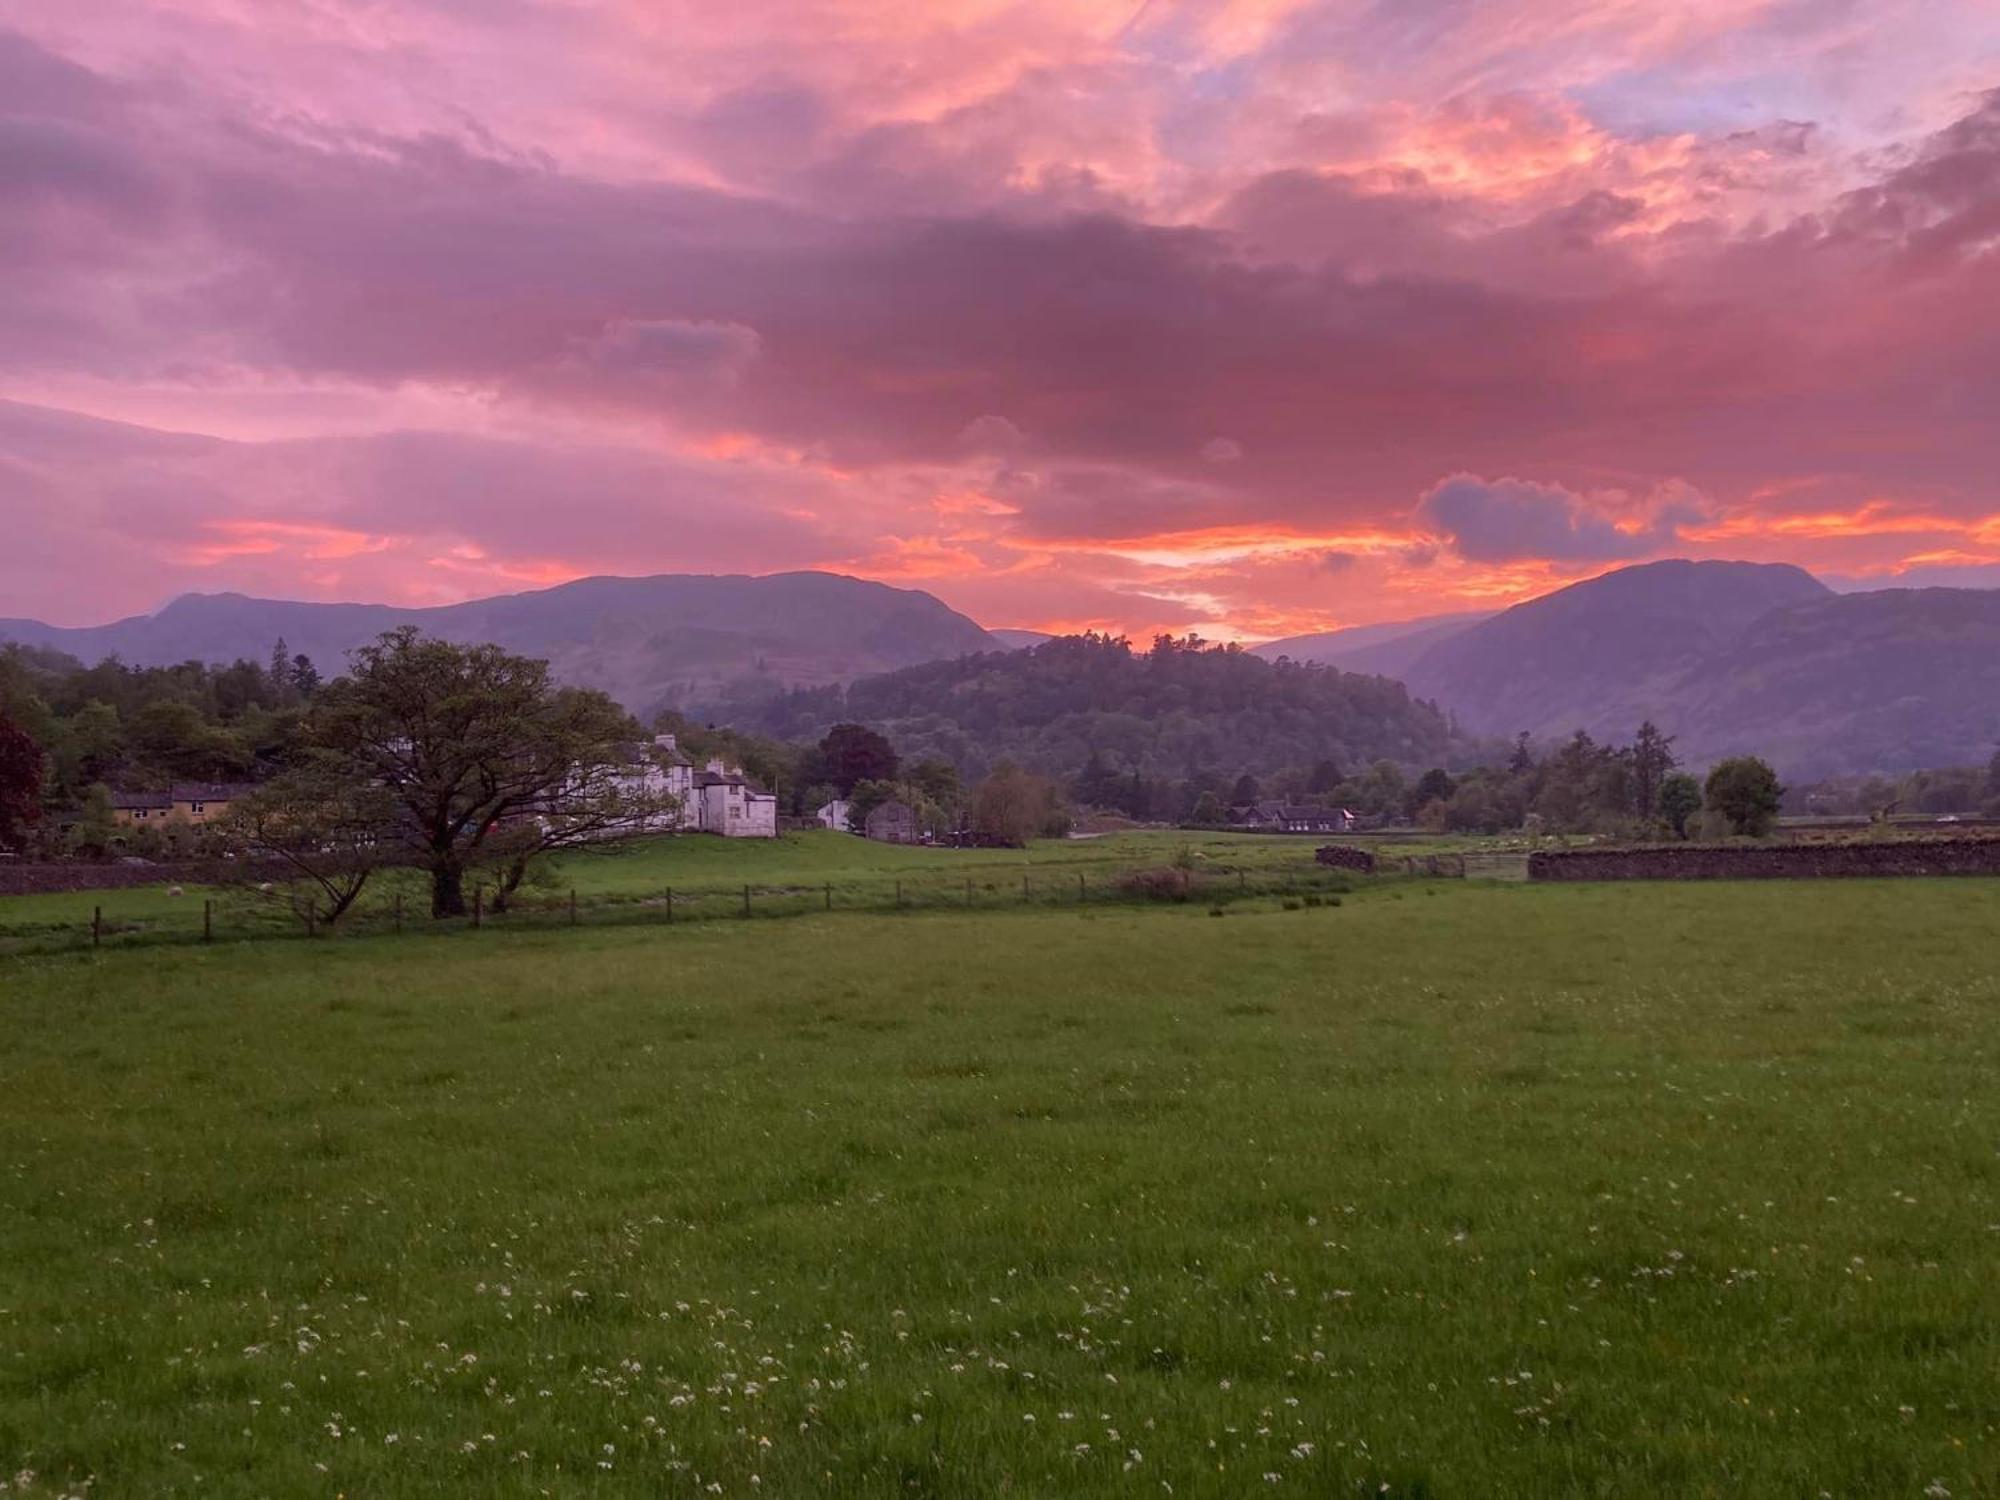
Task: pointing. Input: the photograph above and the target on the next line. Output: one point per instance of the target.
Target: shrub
(1162, 884)
(1345, 857)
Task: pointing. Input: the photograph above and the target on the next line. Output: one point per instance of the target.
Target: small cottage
(893, 823)
(188, 802)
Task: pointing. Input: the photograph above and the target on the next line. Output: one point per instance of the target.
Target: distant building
(141, 807)
(186, 802)
(716, 799)
(1314, 820)
(893, 823)
(834, 814)
(1284, 817)
(728, 805)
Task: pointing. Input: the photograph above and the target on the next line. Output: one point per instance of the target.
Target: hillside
(1881, 681)
(1169, 710)
(1387, 650)
(1015, 640)
(1603, 654)
(671, 639)
(1736, 658)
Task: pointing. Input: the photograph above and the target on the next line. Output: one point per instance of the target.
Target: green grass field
(1451, 1190)
(707, 876)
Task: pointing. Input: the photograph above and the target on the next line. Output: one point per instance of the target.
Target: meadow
(1449, 1189)
(707, 877)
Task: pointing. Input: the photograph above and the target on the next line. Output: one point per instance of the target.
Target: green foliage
(1680, 800)
(1745, 793)
(1181, 704)
(1434, 786)
(326, 829)
(20, 781)
(139, 728)
(1012, 806)
(850, 754)
(483, 758)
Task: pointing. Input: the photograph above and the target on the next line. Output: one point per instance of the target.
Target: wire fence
(145, 917)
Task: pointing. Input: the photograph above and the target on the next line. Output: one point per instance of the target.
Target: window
(194, 807)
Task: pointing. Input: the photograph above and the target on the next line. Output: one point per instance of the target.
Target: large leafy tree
(1012, 806)
(1745, 791)
(484, 759)
(853, 753)
(20, 780)
(1680, 800)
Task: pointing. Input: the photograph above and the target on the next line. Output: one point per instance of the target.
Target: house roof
(716, 778)
(134, 801)
(211, 791)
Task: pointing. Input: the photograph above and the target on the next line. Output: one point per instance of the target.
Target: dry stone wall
(1976, 856)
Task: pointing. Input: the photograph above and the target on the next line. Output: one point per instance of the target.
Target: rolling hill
(667, 640)
(1166, 711)
(1387, 649)
(1735, 658)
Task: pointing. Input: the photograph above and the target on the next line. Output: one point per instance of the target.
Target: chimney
(717, 767)
(665, 742)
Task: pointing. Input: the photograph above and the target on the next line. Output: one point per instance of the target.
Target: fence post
(96, 926)
(1026, 896)
(207, 921)
(399, 914)
(968, 890)
(1080, 896)
(670, 904)
(572, 906)
(746, 900)
(829, 895)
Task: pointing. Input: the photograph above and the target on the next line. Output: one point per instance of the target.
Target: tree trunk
(508, 883)
(447, 890)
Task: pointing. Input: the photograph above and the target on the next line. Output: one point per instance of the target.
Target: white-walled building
(716, 799)
(834, 815)
(729, 805)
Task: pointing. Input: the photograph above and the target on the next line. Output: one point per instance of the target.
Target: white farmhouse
(716, 799)
(730, 806)
(834, 815)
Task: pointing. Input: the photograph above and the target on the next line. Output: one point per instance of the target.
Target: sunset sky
(1248, 317)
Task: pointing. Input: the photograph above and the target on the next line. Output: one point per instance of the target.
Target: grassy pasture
(707, 876)
(1462, 1190)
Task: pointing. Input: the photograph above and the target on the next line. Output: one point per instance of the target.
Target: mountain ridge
(1735, 659)
(659, 640)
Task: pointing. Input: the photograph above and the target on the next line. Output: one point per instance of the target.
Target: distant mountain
(668, 640)
(1604, 654)
(1736, 658)
(1885, 681)
(1020, 640)
(1387, 649)
(1165, 711)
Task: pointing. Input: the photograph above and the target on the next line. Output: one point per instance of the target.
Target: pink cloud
(1149, 310)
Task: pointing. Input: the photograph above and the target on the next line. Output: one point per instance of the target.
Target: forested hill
(1177, 706)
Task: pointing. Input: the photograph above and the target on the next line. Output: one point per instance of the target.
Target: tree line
(461, 761)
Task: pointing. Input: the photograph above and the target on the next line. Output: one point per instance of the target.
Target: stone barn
(893, 823)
